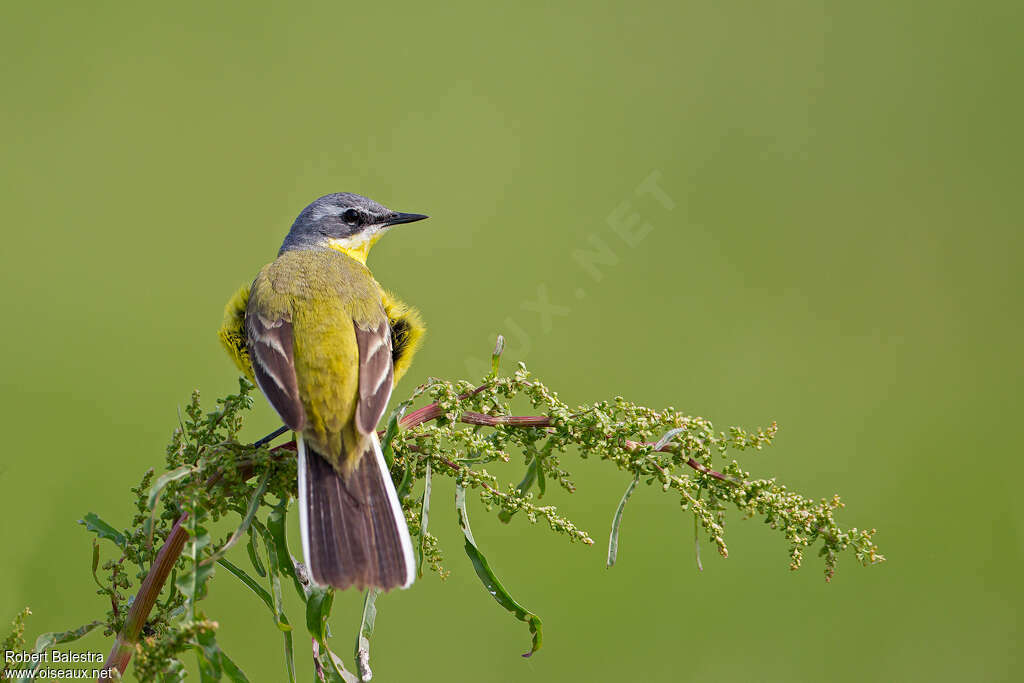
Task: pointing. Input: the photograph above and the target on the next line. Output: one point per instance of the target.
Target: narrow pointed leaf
(48, 640)
(404, 486)
(667, 436)
(254, 555)
(490, 581)
(208, 656)
(318, 611)
(523, 486)
(163, 480)
(154, 495)
(250, 582)
(696, 544)
(391, 430)
(424, 520)
(234, 674)
(365, 631)
(276, 526)
(613, 538)
(499, 348)
(277, 603)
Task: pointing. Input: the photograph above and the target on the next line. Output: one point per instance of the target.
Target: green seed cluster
(467, 434)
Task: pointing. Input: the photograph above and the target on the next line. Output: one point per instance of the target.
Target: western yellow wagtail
(325, 344)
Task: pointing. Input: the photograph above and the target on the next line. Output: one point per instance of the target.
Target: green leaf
(318, 610)
(154, 495)
(696, 544)
(391, 431)
(208, 655)
(277, 604)
(254, 555)
(276, 527)
(613, 538)
(250, 582)
(490, 581)
(59, 638)
(93, 523)
(402, 490)
(192, 584)
(667, 436)
(424, 520)
(48, 640)
(231, 669)
(523, 486)
(499, 348)
(365, 631)
(163, 480)
(96, 562)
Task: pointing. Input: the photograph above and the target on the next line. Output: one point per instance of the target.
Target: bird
(325, 344)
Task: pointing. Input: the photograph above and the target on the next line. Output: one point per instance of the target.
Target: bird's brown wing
(376, 374)
(270, 344)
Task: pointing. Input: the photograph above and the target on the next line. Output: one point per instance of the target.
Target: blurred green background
(843, 256)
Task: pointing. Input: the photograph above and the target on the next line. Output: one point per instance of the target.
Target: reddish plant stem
(433, 411)
(124, 645)
(633, 445)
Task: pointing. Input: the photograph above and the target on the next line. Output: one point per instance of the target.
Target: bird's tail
(353, 528)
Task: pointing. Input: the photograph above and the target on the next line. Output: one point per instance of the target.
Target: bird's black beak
(397, 218)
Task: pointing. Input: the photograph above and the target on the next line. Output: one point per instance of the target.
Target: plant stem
(124, 646)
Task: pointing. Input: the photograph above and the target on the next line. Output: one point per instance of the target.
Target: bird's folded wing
(271, 346)
(376, 374)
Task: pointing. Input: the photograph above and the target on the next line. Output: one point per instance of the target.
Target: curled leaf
(365, 631)
(666, 437)
(490, 581)
(613, 538)
(92, 522)
(424, 520)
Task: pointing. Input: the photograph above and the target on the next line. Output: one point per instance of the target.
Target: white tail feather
(303, 504)
(396, 509)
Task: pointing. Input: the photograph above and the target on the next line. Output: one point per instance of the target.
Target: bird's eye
(350, 216)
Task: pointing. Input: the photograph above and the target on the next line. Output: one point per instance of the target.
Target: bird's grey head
(343, 221)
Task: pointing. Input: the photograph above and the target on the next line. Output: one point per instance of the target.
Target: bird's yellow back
(324, 294)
